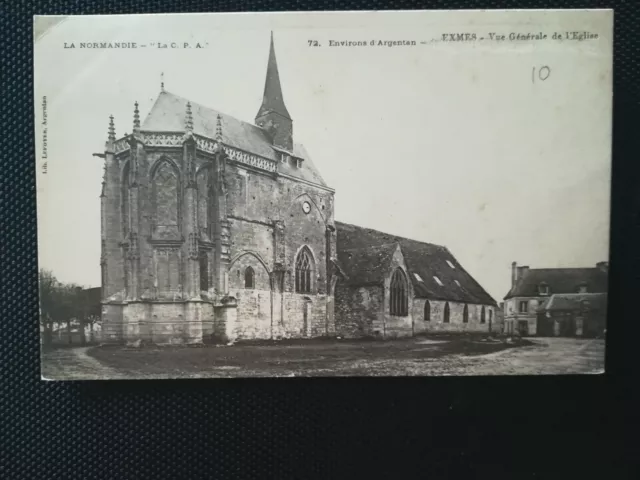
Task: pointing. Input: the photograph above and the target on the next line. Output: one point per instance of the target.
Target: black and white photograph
(353, 194)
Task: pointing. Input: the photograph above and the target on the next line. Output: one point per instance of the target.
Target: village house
(556, 301)
(216, 228)
(572, 315)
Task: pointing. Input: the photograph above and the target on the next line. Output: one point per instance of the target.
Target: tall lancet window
(483, 315)
(204, 200)
(447, 313)
(465, 314)
(124, 193)
(204, 271)
(249, 278)
(304, 271)
(399, 294)
(165, 196)
(427, 311)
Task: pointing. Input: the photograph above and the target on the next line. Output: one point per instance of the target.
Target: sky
(448, 143)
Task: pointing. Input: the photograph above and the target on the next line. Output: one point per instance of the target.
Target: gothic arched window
(465, 314)
(249, 278)
(204, 271)
(304, 271)
(166, 196)
(482, 315)
(427, 311)
(204, 199)
(125, 200)
(398, 294)
(447, 313)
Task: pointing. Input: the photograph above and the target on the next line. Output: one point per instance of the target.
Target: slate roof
(366, 266)
(272, 100)
(573, 301)
(168, 115)
(559, 280)
(365, 254)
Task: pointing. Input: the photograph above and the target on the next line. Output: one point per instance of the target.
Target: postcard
(398, 193)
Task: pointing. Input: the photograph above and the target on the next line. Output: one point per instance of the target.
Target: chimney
(521, 272)
(603, 266)
(514, 265)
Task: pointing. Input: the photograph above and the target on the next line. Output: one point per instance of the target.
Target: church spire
(273, 115)
(272, 100)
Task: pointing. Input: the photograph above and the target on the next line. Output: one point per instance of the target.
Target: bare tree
(60, 303)
(48, 286)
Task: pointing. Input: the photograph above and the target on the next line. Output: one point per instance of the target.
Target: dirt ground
(439, 356)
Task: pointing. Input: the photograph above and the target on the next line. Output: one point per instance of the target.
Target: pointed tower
(273, 115)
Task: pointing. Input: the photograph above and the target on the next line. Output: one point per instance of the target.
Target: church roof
(365, 254)
(559, 280)
(368, 265)
(168, 115)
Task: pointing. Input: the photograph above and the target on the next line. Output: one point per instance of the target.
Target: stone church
(216, 229)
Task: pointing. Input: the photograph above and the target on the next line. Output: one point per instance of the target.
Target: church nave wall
(358, 310)
(254, 319)
(303, 316)
(437, 323)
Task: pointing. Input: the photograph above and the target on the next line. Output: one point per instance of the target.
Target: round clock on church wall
(306, 207)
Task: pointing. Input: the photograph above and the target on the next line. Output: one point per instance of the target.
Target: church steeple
(273, 115)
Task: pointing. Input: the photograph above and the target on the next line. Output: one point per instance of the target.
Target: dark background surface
(527, 427)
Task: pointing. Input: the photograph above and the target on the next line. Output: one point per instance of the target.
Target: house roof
(574, 301)
(559, 280)
(168, 115)
(365, 253)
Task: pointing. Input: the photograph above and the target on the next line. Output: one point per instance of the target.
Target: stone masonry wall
(358, 309)
(255, 202)
(456, 324)
(393, 326)
(254, 316)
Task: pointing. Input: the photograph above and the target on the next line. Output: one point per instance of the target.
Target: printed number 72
(313, 43)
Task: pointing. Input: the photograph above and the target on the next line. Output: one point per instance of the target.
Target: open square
(421, 356)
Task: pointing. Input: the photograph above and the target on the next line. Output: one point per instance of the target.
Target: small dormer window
(418, 277)
(458, 283)
(298, 163)
(543, 288)
(582, 288)
(438, 281)
(284, 157)
(451, 264)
